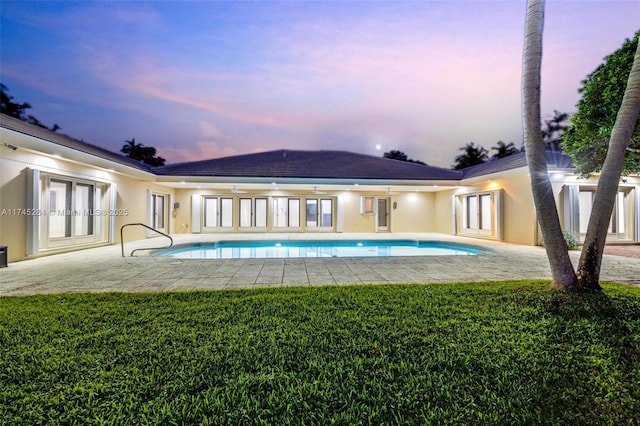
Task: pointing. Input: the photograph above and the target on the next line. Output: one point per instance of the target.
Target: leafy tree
(17, 110)
(625, 124)
(553, 129)
(401, 156)
(564, 277)
(11, 108)
(625, 129)
(588, 138)
(504, 150)
(472, 156)
(139, 152)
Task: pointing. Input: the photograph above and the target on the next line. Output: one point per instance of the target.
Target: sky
(205, 79)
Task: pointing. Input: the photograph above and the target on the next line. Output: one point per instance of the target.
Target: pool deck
(103, 269)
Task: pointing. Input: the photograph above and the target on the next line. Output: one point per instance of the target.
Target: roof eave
(37, 145)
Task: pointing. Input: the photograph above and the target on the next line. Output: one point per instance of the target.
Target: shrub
(571, 241)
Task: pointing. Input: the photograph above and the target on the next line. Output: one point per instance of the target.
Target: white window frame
(619, 229)
(320, 213)
(225, 212)
(258, 213)
(487, 218)
(74, 212)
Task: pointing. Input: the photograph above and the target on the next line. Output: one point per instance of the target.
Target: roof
(29, 129)
(310, 164)
(285, 163)
(555, 159)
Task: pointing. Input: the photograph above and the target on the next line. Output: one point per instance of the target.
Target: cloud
(423, 77)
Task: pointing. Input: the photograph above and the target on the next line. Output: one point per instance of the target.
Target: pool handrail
(144, 248)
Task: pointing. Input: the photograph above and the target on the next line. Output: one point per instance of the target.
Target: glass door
(383, 214)
(286, 212)
(158, 212)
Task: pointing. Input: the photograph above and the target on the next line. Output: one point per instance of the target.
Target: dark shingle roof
(554, 159)
(293, 163)
(309, 164)
(67, 142)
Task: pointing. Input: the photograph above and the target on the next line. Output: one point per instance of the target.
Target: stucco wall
(14, 164)
(412, 213)
(13, 184)
(442, 212)
(518, 212)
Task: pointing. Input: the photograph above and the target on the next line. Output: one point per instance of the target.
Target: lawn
(490, 353)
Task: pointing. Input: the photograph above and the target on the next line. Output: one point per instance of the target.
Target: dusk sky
(209, 79)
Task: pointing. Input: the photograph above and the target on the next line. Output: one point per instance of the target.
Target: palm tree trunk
(564, 276)
(591, 256)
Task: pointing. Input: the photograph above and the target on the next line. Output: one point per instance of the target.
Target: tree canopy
(395, 154)
(139, 152)
(552, 130)
(472, 155)
(504, 150)
(18, 109)
(587, 140)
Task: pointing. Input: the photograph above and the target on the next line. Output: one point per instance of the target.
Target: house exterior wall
(13, 184)
(515, 211)
(15, 212)
(574, 212)
(412, 212)
(446, 210)
(519, 218)
(443, 219)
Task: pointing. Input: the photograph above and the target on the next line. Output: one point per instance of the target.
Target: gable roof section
(555, 160)
(310, 164)
(38, 132)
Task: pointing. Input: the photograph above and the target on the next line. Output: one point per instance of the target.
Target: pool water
(315, 248)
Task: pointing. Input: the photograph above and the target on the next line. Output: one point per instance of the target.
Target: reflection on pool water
(315, 248)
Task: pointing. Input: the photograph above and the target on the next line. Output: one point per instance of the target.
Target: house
(59, 194)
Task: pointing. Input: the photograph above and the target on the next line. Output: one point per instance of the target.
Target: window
(253, 212)
(210, 212)
(366, 205)
(286, 212)
(158, 206)
(619, 217)
(76, 212)
(319, 212)
(60, 208)
(312, 212)
(245, 212)
(218, 212)
(261, 212)
(479, 214)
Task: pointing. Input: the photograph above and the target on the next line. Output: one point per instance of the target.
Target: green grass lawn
(490, 353)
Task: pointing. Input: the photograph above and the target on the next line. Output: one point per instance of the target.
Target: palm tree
(623, 129)
(472, 155)
(553, 129)
(9, 107)
(564, 277)
(132, 149)
(146, 154)
(504, 150)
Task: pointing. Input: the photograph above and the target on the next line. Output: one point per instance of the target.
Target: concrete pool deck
(103, 269)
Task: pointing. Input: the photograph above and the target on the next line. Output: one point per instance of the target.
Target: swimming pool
(315, 248)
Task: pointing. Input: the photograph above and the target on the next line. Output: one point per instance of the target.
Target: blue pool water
(315, 248)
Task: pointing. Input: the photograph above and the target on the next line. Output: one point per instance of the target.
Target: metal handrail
(149, 228)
